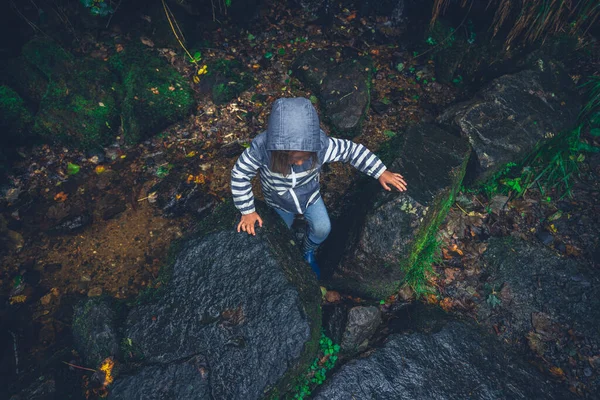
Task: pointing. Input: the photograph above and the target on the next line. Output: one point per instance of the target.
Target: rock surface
(531, 279)
(458, 362)
(388, 233)
(246, 309)
(362, 324)
(342, 88)
(94, 331)
(506, 119)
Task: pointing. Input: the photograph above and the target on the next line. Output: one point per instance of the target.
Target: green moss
(227, 79)
(25, 79)
(15, 118)
(81, 105)
(46, 55)
(155, 95)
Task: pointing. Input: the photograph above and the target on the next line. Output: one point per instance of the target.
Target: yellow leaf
(123, 156)
(553, 228)
(190, 154)
(196, 79)
(100, 169)
(18, 299)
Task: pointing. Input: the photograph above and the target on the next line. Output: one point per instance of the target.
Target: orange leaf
(446, 304)
(61, 196)
(557, 372)
(351, 16)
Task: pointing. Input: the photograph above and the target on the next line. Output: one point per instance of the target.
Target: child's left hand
(393, 179)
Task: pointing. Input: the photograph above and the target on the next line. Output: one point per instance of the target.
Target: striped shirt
(300, 188)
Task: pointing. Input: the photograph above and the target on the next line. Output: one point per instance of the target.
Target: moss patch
(15, 118)
(81, 105)
(155, 94)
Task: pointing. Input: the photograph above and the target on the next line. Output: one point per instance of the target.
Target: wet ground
(102, 230)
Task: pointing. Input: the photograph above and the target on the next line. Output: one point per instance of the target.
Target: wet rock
(510, 116)
(110, 206)
(164, 382)
(342, 88)
(457, 362)
(311, 67)
(225, 80)
(145, 112)
(362, 324)
(94, 331)
(388, 231)
(541, 281)
(345, 95)
(39, 390)
(226, 292)
(334, 321)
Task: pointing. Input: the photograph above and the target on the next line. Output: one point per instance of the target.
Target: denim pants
(319, 225)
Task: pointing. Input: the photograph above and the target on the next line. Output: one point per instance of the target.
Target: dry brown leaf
(332, 296)
(61, 196)
(147, 41)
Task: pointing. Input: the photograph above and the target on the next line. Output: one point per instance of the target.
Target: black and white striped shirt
(300, 188)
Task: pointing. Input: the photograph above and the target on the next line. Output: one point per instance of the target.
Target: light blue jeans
(319, 225)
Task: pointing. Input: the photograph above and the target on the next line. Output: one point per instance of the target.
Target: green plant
(422, 266)
(389, 134)
(317, 372)
(591, 109)
(100, 8)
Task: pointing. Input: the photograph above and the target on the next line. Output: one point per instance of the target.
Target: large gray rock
(534, 283)
(95, 331)
(362, 324)
(245, 309)
(389, 234)
(458, 362)
(506, 119)
(342, 88)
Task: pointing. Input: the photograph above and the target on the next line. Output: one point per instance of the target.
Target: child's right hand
(248, 222)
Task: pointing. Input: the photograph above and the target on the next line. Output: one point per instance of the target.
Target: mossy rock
(46, 55)
(392, 235)
(81, 105)
(155, 94)
(27, 80)
(15, 118)
(225, 80)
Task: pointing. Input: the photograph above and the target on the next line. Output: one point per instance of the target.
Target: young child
(289, 156)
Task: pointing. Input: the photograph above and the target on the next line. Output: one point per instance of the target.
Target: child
(289, 156)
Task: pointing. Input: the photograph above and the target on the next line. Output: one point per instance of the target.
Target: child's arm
(364, 160)
(241, 188)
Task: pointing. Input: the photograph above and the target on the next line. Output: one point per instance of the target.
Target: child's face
(299, 157)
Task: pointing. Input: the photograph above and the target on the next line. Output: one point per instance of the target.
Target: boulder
(94, 331)
(343, 89)
(391, 234)
(507, 119)
(457, 362)
(225, 80)
(532, 282)
(362, 324)
(81, 105)
(155, 94)
(27, 80)
(240, 315)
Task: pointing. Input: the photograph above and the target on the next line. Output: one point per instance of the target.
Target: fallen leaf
(119, 48)
(557, 372)
(18, 299)
(61, 196)
(147, 41)
(171, 88)
(449, 275)
(446, 304)
(332, 296)
(101, 104)
(154, 90)
(99, 169)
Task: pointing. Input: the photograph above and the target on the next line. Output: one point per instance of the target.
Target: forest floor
(122, 256)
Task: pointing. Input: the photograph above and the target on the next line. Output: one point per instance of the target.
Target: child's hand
(248, 222)
(394, 179)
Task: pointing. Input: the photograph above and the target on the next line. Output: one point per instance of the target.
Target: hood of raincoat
(293, 125)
